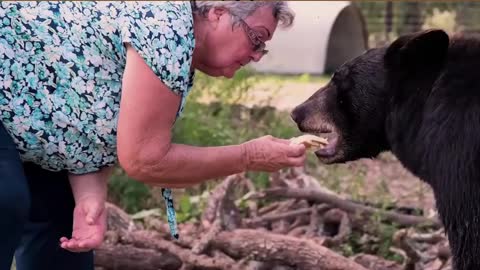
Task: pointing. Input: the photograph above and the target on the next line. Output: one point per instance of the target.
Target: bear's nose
(298, 115)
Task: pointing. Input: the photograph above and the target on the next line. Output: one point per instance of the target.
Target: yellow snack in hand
(310, 141)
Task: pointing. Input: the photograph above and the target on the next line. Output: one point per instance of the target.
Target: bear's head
(351, 110)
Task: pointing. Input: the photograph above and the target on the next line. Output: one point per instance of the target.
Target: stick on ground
(348, 206)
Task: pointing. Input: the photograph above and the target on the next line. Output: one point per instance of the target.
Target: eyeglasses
(257, 44)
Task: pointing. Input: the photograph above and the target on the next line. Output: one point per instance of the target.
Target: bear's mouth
(331, 149)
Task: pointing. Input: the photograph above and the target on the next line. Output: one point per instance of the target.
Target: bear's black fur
(420, 99)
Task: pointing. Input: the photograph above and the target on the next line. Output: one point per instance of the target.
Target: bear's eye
(342, 92)
(341, 81)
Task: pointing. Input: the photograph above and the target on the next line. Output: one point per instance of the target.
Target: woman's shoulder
(161, 10)
(162, 33)
(157, 23)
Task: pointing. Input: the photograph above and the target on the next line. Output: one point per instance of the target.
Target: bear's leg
(458, 204)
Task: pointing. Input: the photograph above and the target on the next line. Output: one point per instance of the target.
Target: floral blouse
(61, 66)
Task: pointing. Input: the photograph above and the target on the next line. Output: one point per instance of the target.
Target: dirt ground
(374, 180)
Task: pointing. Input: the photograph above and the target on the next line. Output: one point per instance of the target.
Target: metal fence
(388, 19)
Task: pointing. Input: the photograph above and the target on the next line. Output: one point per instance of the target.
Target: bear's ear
(425, 50)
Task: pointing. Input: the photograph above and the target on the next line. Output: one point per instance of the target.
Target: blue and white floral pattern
(61, 66)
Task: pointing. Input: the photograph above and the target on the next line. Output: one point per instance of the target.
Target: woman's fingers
(296, 150)
(297, 161)
(82, 245)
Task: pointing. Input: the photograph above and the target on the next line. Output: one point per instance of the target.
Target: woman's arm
(90, 185)
(147, 114)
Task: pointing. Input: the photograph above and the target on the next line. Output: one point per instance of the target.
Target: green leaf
(185, 204)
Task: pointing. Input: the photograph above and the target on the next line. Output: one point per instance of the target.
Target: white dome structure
(325, 34)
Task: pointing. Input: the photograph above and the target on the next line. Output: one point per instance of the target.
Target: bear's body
(419, 98)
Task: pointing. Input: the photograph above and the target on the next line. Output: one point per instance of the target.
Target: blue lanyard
(171, 215)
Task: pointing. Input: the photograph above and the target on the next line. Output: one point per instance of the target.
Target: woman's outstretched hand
(271, 154)
(89, 225)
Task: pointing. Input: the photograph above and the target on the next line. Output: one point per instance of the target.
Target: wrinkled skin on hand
(89, 226)
(271, 154)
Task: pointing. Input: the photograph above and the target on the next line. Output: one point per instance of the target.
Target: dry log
(147, 240)
(217, 195)
(375, 263)
(348, 206)
(299, 253)
(436, 264)
(223, 198)
(444, 252)
(448, 265)
(298, 231)
(344, 228)
(314, 226)
(127, 257)
(299, 221)
(252, 205)
(268, 208)
(202, 244)
(275, 217)
(280, 226)
(223, 256)
(117, 219)
(431, 238)
(400, 238)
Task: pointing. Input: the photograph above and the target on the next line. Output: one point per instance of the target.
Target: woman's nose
(256, 56)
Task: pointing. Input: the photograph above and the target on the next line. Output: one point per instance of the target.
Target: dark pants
(36, 208)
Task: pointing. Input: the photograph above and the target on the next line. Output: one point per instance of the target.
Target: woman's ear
(215, 13)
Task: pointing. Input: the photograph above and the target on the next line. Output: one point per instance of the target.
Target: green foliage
(224, 89)
(129, 194)
(379, 245)
(188, 209)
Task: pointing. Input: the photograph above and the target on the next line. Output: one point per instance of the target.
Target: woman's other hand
(89, 225)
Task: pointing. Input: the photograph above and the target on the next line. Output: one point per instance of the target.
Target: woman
(86, 85)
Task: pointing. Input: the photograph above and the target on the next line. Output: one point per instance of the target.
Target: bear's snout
(298, 115)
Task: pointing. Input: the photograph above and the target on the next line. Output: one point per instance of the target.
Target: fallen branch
(413, 257)
(217, 195)
(314, 226)
(348, 206)
(344, 227)
(280, 226)
(430, 238)
(375, 263)
(127, 257)
(269, 208)
(275, 217)
(217, 226)
(300, 253)
(117, 219)
(141, 239)
(444, 252)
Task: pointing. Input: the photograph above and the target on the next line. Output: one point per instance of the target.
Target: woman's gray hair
(242, 9)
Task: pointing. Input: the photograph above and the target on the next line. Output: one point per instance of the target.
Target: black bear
(419, 98)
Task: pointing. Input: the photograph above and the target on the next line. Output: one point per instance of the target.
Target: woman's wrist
(245, 155)
(89, 186)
